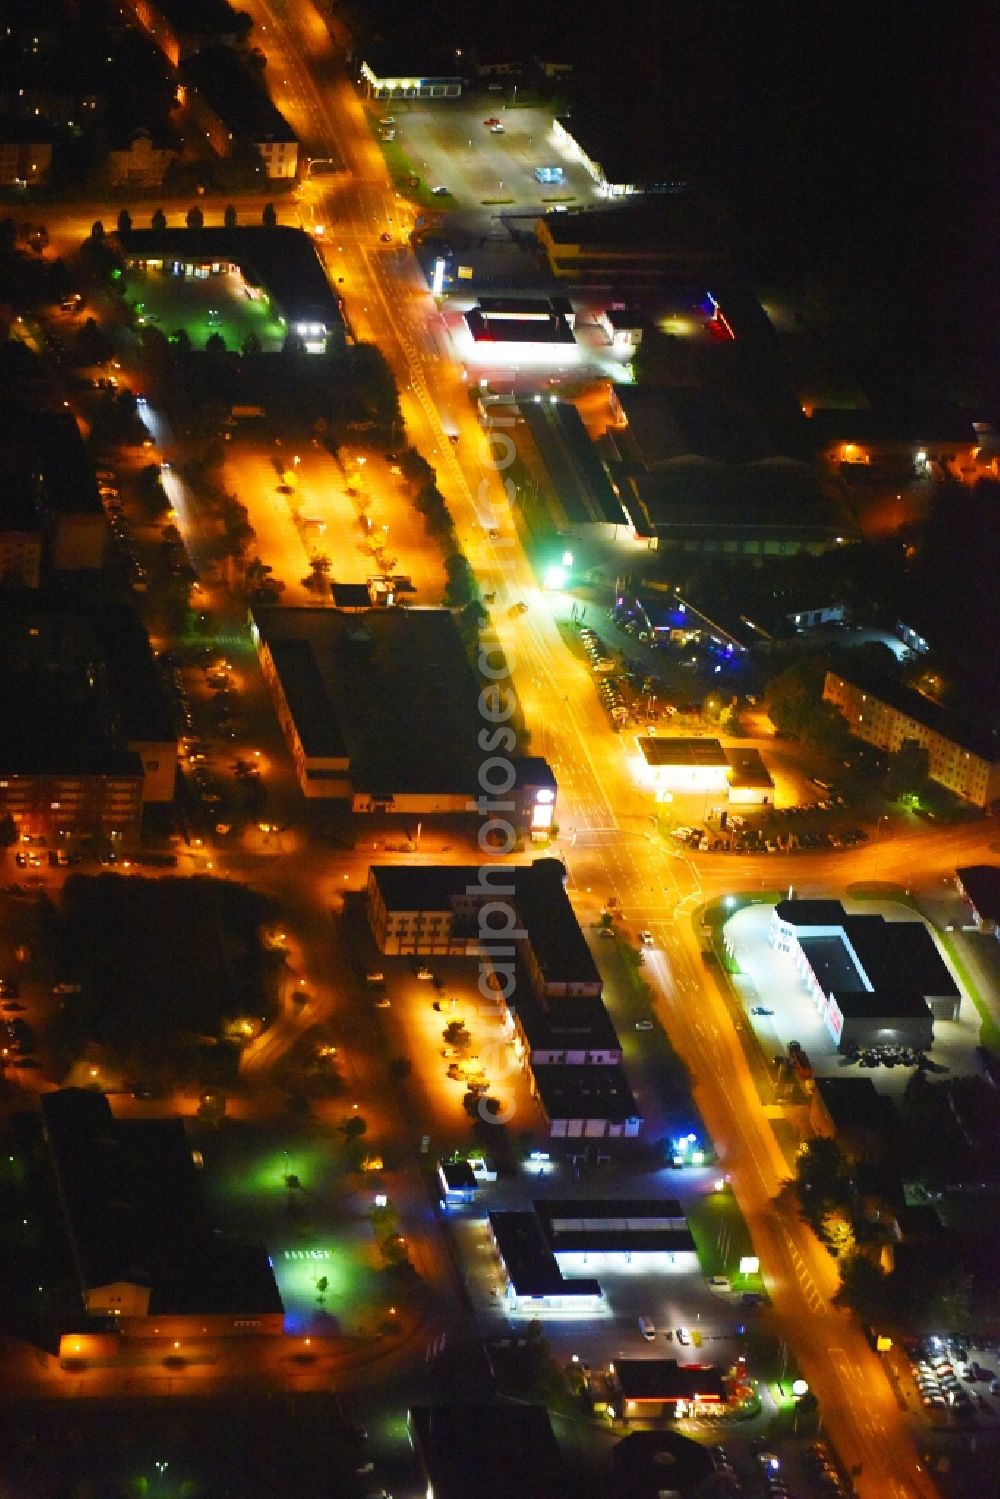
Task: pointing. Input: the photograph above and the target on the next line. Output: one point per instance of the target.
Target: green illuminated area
(203, 306)
(304, 1200)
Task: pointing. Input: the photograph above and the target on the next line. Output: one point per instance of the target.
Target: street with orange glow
(604, 818)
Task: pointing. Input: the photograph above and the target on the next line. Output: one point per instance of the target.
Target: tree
(474, 615)
(195, 218)
(863, 1287)
(229, 217)
(460, 587)
(908, 772)
(124, 221)
(251, 345)
(215, 343)
(400, 1069)
(353, 1127)
(8, 831)
(97, 230)
(269, 217)
(823, 1178)
(159, 220)
(181, 340)
(791, 696)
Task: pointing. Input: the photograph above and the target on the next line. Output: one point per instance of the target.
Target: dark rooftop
(576, 473)
(610, 136)
(491, 1451)
(653, 225)
(832, 963)
(557, 942)
(894, 1003)
(44, 467)
(61, 675)
(897, 954)
(552, 329)
(979, 735)
(283, 259)
(747, 768)
(854, 1103)
(611, 1225)
(135, 1212)
(588, 1092)
(576, 1022)
(672, 422)
(199, 17)
(397, 686)
(805, 913)
(659, 1379)
(696, 496)
(543, 906)
(981, 883)
(302, 684)
(531, 1264)
(236, 95)
(701, 754)
(132, 674)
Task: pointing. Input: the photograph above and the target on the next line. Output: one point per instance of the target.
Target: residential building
(874, 982)
(183, 27)
(143, 161)
(25, 151)
(380, 709)
(51, 517)
(232, 106)
(146, 1255)
(963, 754)
(87, 740)
(499, 1451)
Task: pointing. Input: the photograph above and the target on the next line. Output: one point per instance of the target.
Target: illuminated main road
(606, 834)
(604, 816)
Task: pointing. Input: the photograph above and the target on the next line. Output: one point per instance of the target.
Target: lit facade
(967, 763)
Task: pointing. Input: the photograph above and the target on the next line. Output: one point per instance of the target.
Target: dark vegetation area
(165, 966)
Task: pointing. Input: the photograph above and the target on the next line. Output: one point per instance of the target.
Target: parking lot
(483, 170)
(781, 1010)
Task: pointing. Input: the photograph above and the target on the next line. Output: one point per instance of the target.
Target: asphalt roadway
(610, 850)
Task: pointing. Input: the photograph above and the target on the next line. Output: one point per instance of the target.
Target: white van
(648, 1328)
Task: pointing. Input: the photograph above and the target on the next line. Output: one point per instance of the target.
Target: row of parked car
(950, 1377)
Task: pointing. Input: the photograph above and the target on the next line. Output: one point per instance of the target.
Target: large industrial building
(380, 709)
(148, 1261)
(963, 755)
(874, 982)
